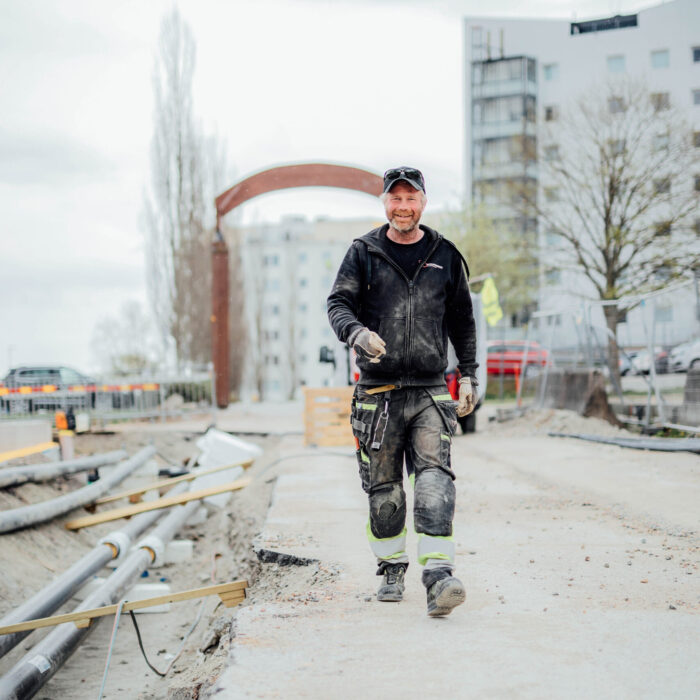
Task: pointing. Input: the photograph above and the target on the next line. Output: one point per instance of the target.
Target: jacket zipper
(408, 338)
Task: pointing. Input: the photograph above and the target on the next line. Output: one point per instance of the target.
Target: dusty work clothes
(416, 423)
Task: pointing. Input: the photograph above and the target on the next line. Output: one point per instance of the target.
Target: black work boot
(391, 589)
(444, 595)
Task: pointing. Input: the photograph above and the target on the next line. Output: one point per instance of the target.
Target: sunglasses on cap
(411, 175)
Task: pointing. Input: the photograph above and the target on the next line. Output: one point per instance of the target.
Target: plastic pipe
(30, 673)
(52, 596)
(14, 476)
(18, 518)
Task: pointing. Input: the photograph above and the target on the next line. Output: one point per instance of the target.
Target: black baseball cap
(412, 176)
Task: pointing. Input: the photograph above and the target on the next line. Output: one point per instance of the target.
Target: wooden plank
(166, 502)
(26, 451)
(327, 416)
(234, 590)
(167, 482)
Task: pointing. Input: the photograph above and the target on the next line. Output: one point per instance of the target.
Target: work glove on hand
(466, 397)
(367, 343)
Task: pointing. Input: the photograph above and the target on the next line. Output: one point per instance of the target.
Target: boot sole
(447, 600)
(390, 598)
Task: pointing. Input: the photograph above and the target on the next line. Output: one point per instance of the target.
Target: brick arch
(280, 178)
(303, 175)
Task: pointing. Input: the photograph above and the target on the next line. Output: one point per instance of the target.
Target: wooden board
(167, 502)
(163, 483)
(232, 592)
(26, 451)
(327, 416)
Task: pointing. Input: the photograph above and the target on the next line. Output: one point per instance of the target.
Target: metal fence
(649, 394)
(158, 397)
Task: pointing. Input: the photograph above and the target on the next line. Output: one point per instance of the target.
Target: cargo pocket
(362, 418)
(448, 412)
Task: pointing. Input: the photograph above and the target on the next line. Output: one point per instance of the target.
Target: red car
(506, 356)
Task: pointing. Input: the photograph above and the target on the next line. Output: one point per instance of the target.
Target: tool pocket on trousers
(447, 408)
(362, 417)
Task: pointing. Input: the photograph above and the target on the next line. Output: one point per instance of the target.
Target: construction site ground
(580, 562)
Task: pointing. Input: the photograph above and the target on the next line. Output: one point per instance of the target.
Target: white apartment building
(289, 269)
(520, 74)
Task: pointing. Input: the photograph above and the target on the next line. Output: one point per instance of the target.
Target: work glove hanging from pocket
(368, 344)
(466, 397)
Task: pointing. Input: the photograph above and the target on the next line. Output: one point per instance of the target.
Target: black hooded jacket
(413, 316)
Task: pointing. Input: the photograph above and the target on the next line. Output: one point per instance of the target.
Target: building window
(551, 194)
(660, 59)
(616, 105)
(552, 239)
(274, 310)
(661, 141)
(272, 285)
(696, 54)
(618, 147)
(551, 71)
(303, 282)
(662, 185)
(660, 101)
(551, 153)
(303, 333)
(551, 113)
(696, 227)
(663, 313)
(696, 97)
(696, 139)
(553, 276)
(270, 260)
(663, 228)
(616, 64)
(302, 257)
(697, 183)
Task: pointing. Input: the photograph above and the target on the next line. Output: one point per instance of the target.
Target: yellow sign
(489, 302)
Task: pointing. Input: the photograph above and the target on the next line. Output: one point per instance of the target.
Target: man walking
(400, 292)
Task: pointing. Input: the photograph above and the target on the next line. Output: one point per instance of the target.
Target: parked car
(639, 362)
(56, 380)
(506, 357)
(685, 356)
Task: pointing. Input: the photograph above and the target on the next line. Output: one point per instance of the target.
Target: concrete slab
(581, 573)
(16, 434)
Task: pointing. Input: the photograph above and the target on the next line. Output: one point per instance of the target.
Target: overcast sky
(370, 83)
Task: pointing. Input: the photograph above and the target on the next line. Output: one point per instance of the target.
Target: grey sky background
(368, 83)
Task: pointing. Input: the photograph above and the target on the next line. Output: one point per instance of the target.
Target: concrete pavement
(580, 563)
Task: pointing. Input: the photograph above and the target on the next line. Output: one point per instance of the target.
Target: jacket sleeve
(461, 327)
(345, 297)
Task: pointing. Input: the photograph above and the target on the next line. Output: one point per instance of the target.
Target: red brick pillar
(219, 318)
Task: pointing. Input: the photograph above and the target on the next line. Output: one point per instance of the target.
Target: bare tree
(187, 171)
(619, 195)
(125, 344)
(503, 253)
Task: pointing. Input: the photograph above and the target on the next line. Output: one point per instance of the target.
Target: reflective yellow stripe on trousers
(388, 547)
(435, 547)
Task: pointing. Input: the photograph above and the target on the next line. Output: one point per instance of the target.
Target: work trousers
(415, 424)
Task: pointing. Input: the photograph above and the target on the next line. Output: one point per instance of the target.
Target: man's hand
(367, 343)
(466, 397)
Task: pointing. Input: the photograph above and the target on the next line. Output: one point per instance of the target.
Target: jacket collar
(376, 239)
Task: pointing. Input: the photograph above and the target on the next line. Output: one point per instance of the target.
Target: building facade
(289, 269)
(519, 77)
